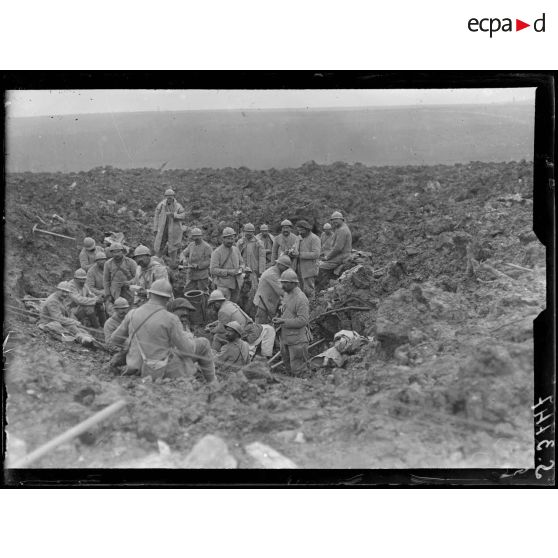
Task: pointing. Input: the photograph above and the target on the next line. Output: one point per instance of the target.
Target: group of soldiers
(149, 329)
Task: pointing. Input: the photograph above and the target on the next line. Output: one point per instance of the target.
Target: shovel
(35, 229)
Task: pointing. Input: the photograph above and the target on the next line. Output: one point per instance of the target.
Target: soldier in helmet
(326, 239)
(118, 275)
(96, 285)
(88, 253)
(267, 240)
(157, 347)
(340, 251)
(227, 266)
(309, 252)
(269, 293)
(294, 320)
(235, 353)
(120, 309)
(55, 316)
(148, 270)
(286, 243)
(167, 227)
(197, 257)
(84, 305)
(203, 355)
(227, 311)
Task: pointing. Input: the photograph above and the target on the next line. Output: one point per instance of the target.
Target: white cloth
(267, 340)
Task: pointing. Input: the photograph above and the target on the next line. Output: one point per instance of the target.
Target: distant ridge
(279, 138)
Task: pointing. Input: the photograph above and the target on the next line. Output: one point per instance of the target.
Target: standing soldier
(118, 275)
(227, 267)
(269, 291)
(267, 240)
(286, 243)
(327, 239)
(94, 281)
(294, 320)
(148, 270)
(83, 303)
(197, 257)
(167, 227)
(88, 253)
(253, 252)
(341, 250)
(308, 254)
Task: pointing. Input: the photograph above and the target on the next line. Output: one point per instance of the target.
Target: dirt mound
(446, 278)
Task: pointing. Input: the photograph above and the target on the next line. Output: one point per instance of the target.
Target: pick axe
(35, 229)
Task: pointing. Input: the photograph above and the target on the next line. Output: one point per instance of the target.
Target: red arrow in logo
(519, 25)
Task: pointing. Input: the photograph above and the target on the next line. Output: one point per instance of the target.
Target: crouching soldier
(294, 320)
(269, 292)
(55, 318)
(85, 306)
(157, 346)
(121, 308)
(235, 353)
(203, 355)
(255, 334)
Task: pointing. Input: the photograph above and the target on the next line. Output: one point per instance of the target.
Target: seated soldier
(84, 305)
(55, 317)
(235, 353)
(228, 311)
(203, 355)
(121, 308)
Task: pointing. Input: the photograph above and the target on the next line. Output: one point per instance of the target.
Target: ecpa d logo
(492, 25)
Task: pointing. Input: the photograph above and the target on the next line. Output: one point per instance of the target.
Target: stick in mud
(69, 434)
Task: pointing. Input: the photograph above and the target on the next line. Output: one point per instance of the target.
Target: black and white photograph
(272, 278)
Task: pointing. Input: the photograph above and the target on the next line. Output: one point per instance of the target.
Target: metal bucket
(198, 300)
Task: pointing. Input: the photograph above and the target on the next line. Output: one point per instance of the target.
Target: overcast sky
(55, 102)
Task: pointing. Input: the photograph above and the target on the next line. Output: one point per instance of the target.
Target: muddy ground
(450, 271)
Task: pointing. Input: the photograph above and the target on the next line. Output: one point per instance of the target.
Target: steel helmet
(100, 256)
(327, 227)
(227, 231)
(161, 287)
(116, 246)
(283, 259)
(264, 228)
(336, 215)
(289, 276)
(196, 232)
(248, 227)
(63, 286)
(215, 296)
(169, 192)
(286, 223)
(142, 250)
(235, 326)
(88, 243)
(80, 274)
(121, 302)
(179, 303)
